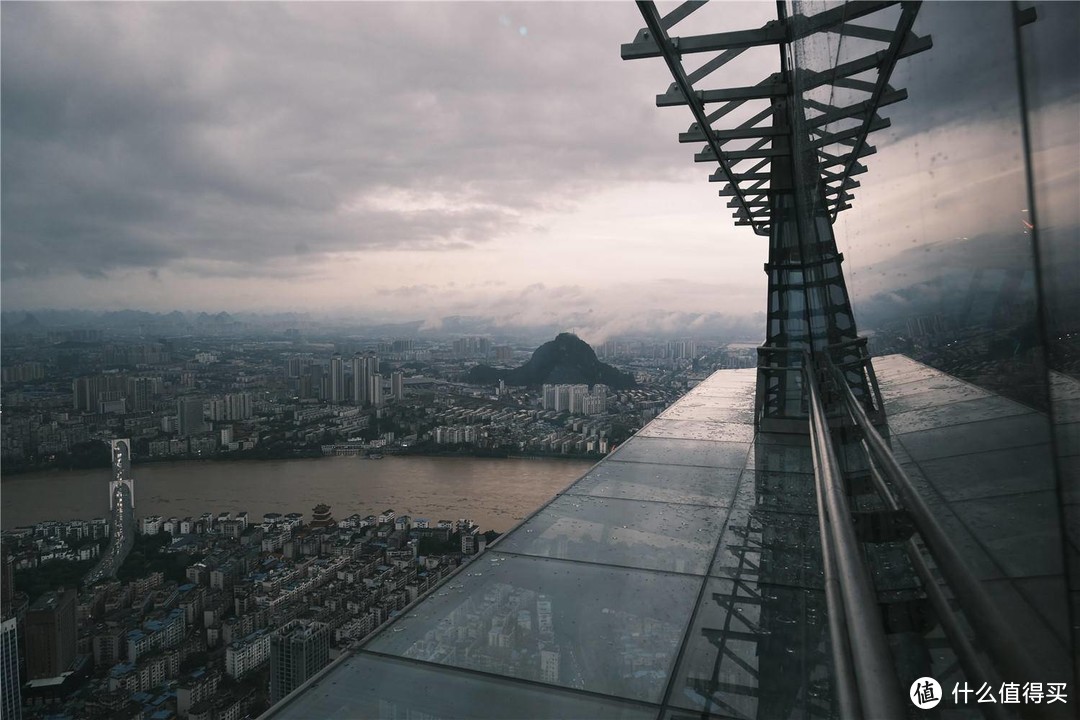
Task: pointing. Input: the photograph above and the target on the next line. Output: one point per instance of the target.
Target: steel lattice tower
(789, 169)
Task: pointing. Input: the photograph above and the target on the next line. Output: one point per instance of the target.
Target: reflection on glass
(660, 483)
(1050, 56)
(608, 630)
(682, 452)
(655, 536)
(698, 430)
(369, 686)
(757, 651)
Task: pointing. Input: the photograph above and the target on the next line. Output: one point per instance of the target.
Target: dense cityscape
(234, 396)
(219, 615)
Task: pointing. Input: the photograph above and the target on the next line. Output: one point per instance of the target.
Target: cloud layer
(140, 135)
(421, 160)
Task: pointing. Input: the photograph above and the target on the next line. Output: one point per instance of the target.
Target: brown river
(495, 493)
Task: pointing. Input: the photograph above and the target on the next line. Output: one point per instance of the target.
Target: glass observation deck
(582, 610)
(690, 574)
(682, 575)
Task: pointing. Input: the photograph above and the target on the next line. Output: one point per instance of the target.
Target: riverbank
(493, 492)
(301, 454)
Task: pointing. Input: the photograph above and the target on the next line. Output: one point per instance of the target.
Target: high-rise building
(470, 347)
(316, 382)
(7, 580)
(397, 384)
(89, 392)
(364, 368)
(297, 651)
(141, 392)
(376, 390)
(297, 366)
(359, 383)
(548, 396)
(337, 380)
(216, 409)
(298, 374)
(51, 634)
(247, 654)
(575, 399)
(576, 395)
(189, 415)
(10, 687)
(239, 406)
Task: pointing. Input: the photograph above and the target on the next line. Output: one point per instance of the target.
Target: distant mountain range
(659, 324)
(566, 359)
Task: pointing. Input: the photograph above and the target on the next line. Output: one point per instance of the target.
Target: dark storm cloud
(139, 135)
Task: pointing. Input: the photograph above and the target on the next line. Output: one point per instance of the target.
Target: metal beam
(914, 44)
(830, 160)
(904, 43)
(674, 63)
(748, 133)
(681, 13)
(770, 89)
(644, 46)
(858, 133)
(831, 114)
(709, 155)
(718, 176)
(854, 122)
(771, 33)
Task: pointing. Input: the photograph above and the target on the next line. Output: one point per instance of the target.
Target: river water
(493, 492)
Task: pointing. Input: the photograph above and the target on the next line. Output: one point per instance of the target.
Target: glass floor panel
(1063, 387)
(978, 437)
(738, 396)
(745, 376)
(371, 686)
(667, 451)
(632, 533)
(780, 548)
(611, 630)
(737, 382)
(955, 414)
(777, 457)
(1046, 644)
(660, 483)
(746, 639)
(998, 472)
(903, 399)
(1067, 411)
(721, 397)
(908, 375)
(698, 430)
(1068, 437)
(709, 412)
(781, 491)
(1012, 528)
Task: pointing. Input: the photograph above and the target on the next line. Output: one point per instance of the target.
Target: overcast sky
(404, 158)
(391, 160)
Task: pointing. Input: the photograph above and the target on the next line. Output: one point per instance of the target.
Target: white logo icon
(925, 693)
